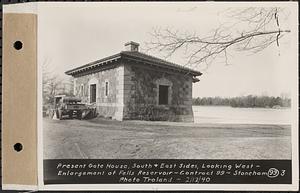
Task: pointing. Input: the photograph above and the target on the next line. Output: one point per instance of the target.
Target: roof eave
(192, 72)
(93, 64)
(196, 80)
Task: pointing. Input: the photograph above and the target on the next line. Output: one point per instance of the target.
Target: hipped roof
(135, 56)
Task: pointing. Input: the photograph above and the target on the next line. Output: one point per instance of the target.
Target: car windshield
(73, 103)
(72, 100)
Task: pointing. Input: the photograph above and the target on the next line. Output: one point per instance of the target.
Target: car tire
(51, 114)
(70, 114)
(59, 114)
(79, 115)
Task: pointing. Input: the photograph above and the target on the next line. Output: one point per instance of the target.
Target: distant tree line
(244, 101)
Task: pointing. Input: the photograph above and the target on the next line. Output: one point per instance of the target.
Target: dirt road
(100, 139)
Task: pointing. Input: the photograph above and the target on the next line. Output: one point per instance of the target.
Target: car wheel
(59, 114)
(51, 114)
(71, 114)
(79, 115)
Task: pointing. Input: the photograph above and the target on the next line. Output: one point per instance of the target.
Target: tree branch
(207, 49)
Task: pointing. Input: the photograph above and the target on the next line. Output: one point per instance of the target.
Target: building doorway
(93, 91)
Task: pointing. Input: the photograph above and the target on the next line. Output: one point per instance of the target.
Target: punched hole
(18, 45)
(18, 147)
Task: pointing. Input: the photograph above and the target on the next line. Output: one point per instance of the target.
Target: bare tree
(50, 83)
(253, 29)
(67, 87)
(53, 85)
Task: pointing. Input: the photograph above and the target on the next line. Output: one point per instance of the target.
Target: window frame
(163, 88)
(164, 82)
(82, 90)
(106, 88)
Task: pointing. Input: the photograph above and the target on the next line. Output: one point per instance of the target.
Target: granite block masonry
(132, 85)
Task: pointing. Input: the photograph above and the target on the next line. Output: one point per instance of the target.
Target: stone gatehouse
(134, 85)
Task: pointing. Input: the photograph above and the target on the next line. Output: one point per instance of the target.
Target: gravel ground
(109, 139)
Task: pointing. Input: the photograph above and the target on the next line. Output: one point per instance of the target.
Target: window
(163, 95)
(163, 91)
(106, 88)
(82, 90)
(92, 93)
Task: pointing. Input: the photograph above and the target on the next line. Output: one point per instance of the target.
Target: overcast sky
(71, 35)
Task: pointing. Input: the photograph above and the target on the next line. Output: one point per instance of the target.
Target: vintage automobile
(71, 107)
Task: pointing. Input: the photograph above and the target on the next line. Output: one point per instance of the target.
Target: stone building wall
(133, 93)
(141, 94)
(107, 106)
